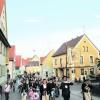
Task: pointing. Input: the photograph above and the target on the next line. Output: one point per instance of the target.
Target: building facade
(18, 64)
(76, 58)
(47, 64)
(4, 44)
(11, 65)
(34, 65)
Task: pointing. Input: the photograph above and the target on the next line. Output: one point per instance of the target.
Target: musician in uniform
(65, 86)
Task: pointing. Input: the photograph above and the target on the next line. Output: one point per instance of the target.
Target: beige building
(34, 65)
(76, 58)
(47, 64)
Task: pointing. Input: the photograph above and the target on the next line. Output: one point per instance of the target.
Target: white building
(4, 44)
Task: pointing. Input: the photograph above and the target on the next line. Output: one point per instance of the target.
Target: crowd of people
(38, 89)
(35, 88)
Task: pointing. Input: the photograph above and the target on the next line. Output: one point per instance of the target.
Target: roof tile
(71, 43)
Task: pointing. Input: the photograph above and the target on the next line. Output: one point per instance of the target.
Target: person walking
(35, 94)
(30, 93)
(65, 86)
(0, 92)
(24, 90)
(7, 89)
(24, 95)
(86, 90)
(43, 90)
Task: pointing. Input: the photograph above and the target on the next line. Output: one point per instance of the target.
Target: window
(92, 71)
(82, 71)
(61, 61)
(81, 59)
(84, 48)
(85, 72)
(73, 71)
(46, 74)
(91, 59)
(55, 61)
(3, 72)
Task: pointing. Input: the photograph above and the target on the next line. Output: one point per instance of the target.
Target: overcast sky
(38, 26)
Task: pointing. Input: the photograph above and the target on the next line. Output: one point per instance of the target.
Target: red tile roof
(25, 61)
(1, 6)
(18, 61)
(11, 52)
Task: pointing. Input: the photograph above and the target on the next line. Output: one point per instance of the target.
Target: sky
(38, 26)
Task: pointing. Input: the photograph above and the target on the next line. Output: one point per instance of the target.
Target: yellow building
(47, 64)
(34, 65)
(76, 58)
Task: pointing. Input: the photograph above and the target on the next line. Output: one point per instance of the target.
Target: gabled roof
(33, 63)
(71, 43)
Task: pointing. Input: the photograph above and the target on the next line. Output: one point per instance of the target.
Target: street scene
(49, 50)
(75, 94)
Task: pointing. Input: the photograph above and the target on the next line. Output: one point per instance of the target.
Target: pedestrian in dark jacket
(1, 92)
(7, 89)
(65, 86)
(43, 90)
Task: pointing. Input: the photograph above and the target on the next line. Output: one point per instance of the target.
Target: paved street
(75, 94)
